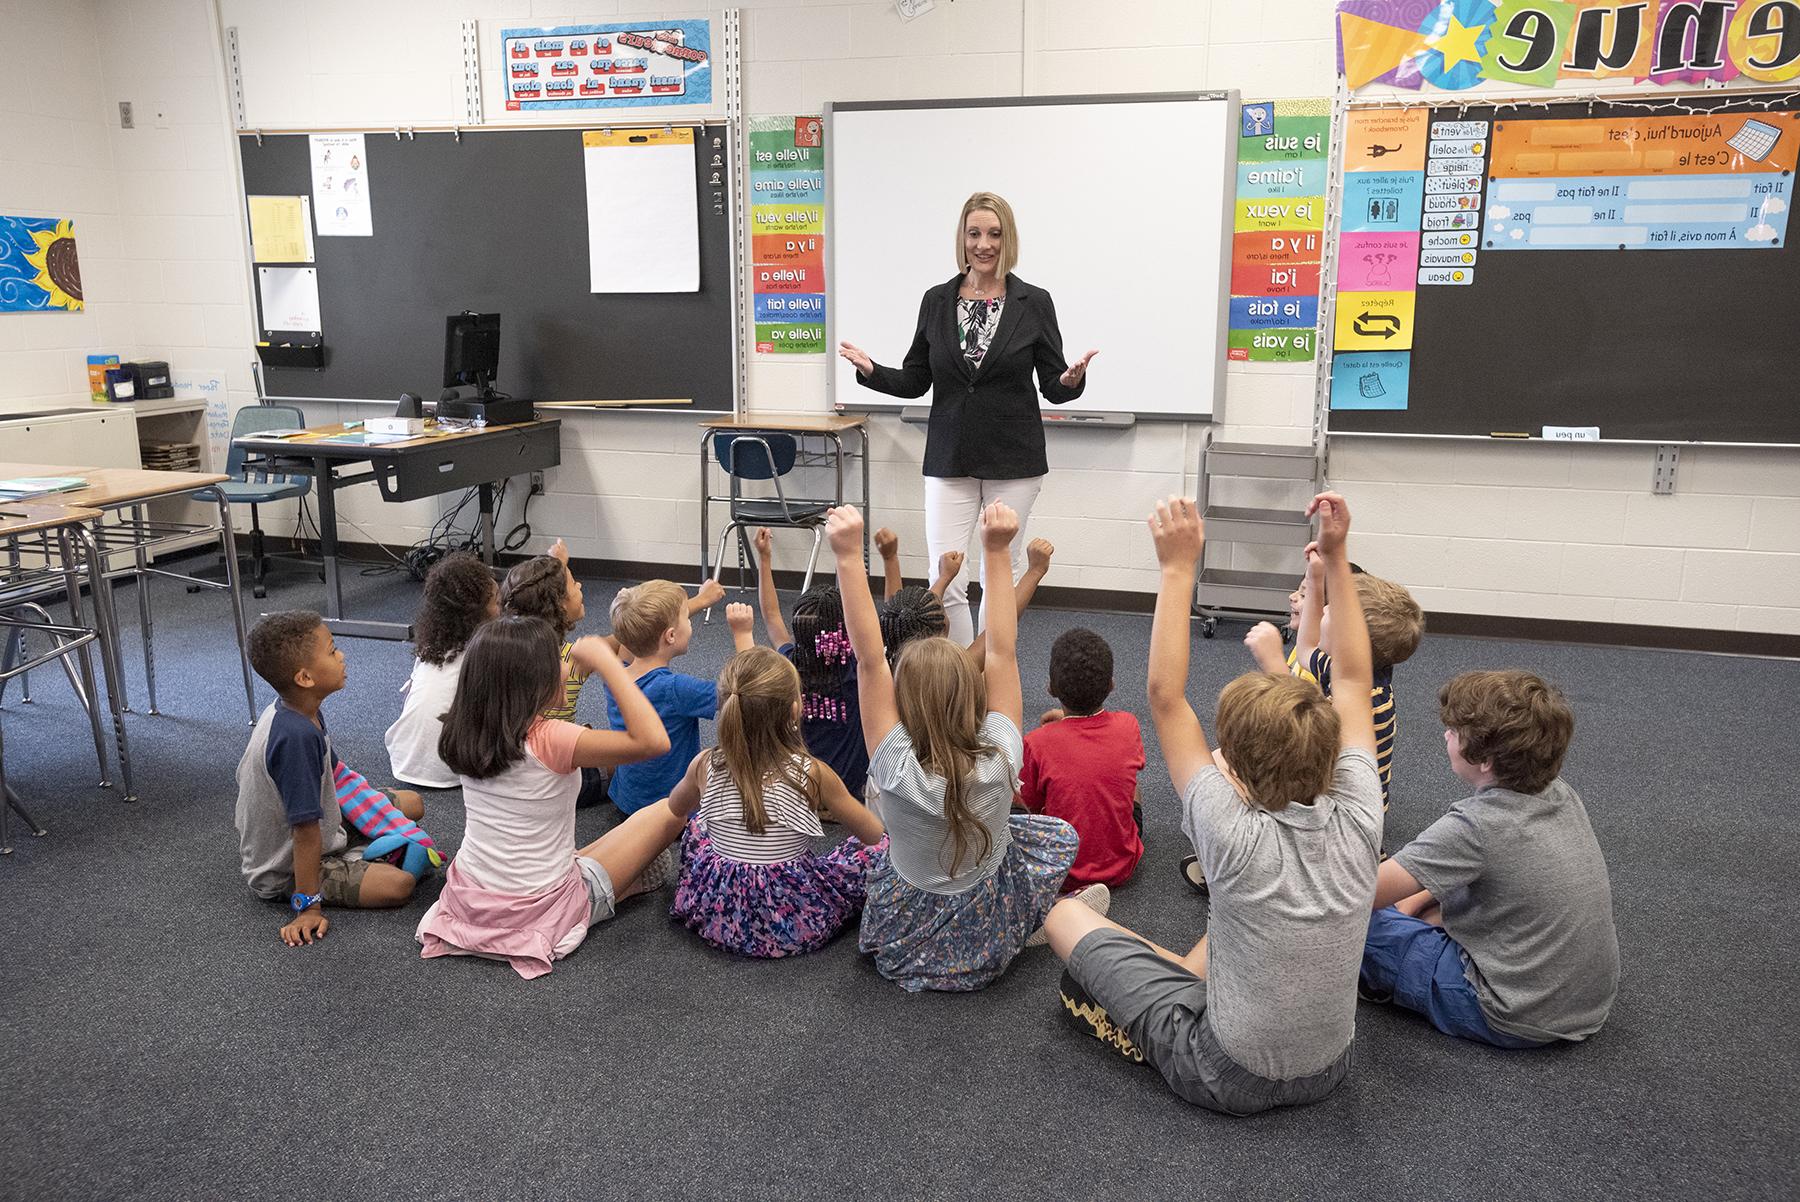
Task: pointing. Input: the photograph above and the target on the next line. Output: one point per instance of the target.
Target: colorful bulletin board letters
(787, 222)
(39, 269)
(618, 65)
(1717, 181)
(1459, 44)
(1279, 229)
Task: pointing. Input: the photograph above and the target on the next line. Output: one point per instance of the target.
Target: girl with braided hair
(750, 882)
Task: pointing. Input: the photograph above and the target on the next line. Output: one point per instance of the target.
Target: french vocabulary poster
(1278, 230)
(787, 224)
(617, 65)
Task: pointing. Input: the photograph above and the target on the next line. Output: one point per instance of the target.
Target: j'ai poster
(1278, 229)
(787, 233)
(39, 270)
(618, 65)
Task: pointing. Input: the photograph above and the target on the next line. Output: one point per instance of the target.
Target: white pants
(953, 506)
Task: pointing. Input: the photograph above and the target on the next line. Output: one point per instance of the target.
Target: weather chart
(619, 65)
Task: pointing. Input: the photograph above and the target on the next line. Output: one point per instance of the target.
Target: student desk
(829, 427)
(115, 490)
(407, 470)
(22, 587)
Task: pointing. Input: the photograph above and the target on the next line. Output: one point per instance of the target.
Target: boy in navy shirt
(291, 835)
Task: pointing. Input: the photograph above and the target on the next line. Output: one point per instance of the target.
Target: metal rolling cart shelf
(1231, 592)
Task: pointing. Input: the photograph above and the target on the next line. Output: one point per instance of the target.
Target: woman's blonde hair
(1009, 231)
(759, 736)
(942, 699)
(1280, 736)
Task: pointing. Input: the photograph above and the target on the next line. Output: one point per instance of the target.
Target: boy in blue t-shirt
(292, 843)
(650, 621)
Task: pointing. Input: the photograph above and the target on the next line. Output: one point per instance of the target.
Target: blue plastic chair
(254, 486)
(765, 455)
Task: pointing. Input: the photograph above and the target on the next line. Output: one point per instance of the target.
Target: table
(20, 588)
(831, 427)
(407, 470)
(116, 489)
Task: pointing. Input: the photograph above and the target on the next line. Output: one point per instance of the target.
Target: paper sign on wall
(787, 271)
(643, 210)
(281, 229)
(340, 181)
(290, 299)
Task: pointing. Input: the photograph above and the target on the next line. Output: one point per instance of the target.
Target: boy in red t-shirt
(1082, 764)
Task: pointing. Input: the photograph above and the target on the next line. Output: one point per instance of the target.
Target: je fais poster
(787, 234)
(1278, 230)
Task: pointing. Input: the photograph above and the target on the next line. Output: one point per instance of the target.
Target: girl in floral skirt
(750, 882)
(962, 884)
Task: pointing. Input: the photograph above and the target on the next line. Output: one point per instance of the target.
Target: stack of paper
(31, 486)
(170, 456)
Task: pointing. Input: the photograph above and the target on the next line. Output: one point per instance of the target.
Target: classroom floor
(158, 1041)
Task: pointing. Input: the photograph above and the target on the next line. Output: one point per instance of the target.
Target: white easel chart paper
(643, 210)
(290, 299)
(340, 185)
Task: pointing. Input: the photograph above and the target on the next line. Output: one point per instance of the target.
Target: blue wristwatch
(304, 901)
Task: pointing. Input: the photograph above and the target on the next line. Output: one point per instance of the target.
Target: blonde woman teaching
(981, 336)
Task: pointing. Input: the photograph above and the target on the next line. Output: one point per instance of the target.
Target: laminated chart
(1278, 237)
(1715, 181)
(787, 215)
(1385, 175)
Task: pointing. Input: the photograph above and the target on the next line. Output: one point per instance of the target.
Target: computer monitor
(471, 350)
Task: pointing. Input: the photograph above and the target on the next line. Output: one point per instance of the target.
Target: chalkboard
(496, 222)
(1664, 345)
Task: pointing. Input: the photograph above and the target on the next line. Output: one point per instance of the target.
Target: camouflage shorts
(340, 879)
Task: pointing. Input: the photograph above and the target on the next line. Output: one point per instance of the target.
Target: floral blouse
(976, 321)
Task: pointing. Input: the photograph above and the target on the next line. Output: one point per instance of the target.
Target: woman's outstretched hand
(864, 365)
(1070, 378)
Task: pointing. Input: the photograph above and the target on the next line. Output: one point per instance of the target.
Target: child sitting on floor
(651, 622)
(1260, 1013)
(963, 882)
(460, 594)
(519, 889)
(1496, 923)
(750, 882)
(291, 838)
(1082, 764)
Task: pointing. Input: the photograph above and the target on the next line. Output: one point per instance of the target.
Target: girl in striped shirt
(750, 881)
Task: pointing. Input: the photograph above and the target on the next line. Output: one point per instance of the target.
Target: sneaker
(1089, 1016)
(658, 872)
(1196, 879)
(1096, 897)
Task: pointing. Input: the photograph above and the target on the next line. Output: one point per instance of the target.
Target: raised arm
(950, 563)
(887, 545)
(1037, 556)
(1312, 607)
(999, 526)
(874, 683)
(644, 736)
(1179, 536)
(766, 597)
(1352, 664)
(709, 594)
(742, 620)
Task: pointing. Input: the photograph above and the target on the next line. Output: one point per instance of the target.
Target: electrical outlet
(537, 484)
(125, 114)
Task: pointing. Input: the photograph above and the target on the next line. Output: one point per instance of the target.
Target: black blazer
(983, 424)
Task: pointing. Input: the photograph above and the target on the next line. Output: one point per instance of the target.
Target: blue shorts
(1416, 965)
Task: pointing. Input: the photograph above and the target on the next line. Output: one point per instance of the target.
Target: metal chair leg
(718, 571)
(818, 537)
(88, 691)
(146, 625)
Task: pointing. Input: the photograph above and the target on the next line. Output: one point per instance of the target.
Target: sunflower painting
(38, 266)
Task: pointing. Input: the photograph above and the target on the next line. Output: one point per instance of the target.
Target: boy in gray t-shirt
(1261, 1012)
(1496, 922)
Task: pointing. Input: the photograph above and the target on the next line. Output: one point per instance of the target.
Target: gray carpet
(158, 1041)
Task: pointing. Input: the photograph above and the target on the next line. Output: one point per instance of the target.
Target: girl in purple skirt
(750, 881)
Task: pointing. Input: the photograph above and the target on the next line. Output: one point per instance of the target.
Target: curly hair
(821, 652)
(912, 613)
(1518, 722)
(1081, 670)
(280, 645)
(458, 591)
(535, 589)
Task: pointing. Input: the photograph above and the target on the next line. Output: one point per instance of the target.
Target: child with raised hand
(887, 545)
(460, 594)
(963, 882)
(519, 889)
(750, 882)
(819, 648)
(1496, 922)
(1260, 1013)
(292, 843)
(911, 612)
